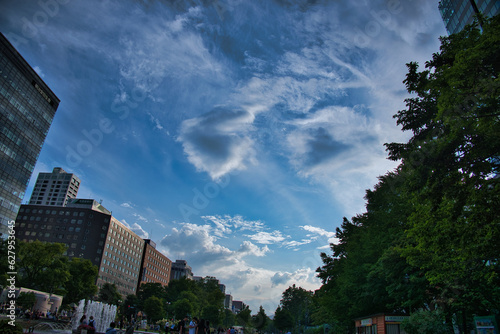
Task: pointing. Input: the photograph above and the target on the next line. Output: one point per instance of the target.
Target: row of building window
(54, 212)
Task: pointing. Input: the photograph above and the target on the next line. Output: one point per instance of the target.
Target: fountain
(103, 314)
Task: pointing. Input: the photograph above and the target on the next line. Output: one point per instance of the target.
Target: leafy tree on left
(42, 266)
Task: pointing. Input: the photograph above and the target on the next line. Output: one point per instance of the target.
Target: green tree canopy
(109, 294)
(260, 320)
(81, 284)
(148, 290)
(153, 306)
(182, 308)
(298, 302)
(243, 317)
(42, 266)
(452, 164)
(26, 300)
(283, 319)
(129, 306)
(431, 232)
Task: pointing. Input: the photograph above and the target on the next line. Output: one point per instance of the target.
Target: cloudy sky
(235, 134)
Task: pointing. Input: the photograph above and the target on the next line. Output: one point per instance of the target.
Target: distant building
(156, 267)
(380, 323)
(27, 108)
(55, 188)
(181, 269)
(90, 232)
(457, 14)
(228, 302)
(238, 306)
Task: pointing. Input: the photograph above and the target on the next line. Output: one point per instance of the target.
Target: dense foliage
(44, 266)
(430, 237)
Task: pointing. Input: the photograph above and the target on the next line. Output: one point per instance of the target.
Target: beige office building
(90, 232)
(55, 188)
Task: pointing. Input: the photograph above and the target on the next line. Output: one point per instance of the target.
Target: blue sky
(235, 134)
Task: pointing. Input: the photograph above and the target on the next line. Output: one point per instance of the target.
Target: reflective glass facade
(457, 14)
(27, 108)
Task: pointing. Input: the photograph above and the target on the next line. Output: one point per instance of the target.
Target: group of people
(84, 322)
(112, 326)
(194, 326)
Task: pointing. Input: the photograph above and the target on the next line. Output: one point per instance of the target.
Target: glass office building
(457, 14)
(27, 108)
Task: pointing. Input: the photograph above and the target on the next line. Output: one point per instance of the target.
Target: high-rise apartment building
(55, 188)
(457, 14)
(27, 108)
(89, 232)
(181, 269)
(156, 267)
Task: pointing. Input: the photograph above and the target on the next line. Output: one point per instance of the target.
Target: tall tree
(297, 301)
(109, 294)
(148, 290)
(129, 306)
(229, 318)
(153, 306)
(283, 320)
(42, 266)
(452, 162)
(81, 284)
(244, 316)
(211, 300)
(260, 320)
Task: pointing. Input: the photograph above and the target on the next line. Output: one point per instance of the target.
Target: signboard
(366, 322)
(486, 325)
(395, 318)
(44, 95)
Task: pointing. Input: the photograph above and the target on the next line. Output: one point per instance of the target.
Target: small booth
(380, 324)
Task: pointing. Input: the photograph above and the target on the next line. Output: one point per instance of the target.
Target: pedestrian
(193, 324)
(130, 328)
(182, 325)
(111, 329)
(83, 320)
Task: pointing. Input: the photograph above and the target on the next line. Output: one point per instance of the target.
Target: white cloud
(225, 224)
(140, 217)
(217, 142)
(267, 238)
(137, 229)
(200, 242)
(247, 248)
(330, 236)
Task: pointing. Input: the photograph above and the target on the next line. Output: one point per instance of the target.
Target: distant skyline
(236, 135)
